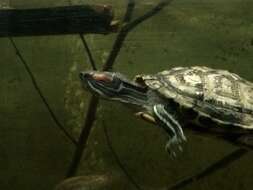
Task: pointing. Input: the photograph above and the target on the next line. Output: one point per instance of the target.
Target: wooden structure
(56, 20)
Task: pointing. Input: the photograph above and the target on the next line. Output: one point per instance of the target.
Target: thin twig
(92, 62)
(85, 44)
(147, 15)
(115, 50)
(37, 88)
(117, 159)
(220, 164)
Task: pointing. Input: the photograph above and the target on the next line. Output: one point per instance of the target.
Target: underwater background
(34, 154)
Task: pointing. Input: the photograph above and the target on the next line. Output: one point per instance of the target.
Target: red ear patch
(102, 77)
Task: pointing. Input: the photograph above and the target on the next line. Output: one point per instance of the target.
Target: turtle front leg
(169, 123)
(146, 116)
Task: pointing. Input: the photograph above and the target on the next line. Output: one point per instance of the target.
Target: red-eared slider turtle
(172, 98)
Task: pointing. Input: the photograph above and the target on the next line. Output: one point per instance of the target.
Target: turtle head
(104, 84)
(112, 86)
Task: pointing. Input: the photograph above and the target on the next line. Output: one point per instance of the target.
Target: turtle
(212, 100)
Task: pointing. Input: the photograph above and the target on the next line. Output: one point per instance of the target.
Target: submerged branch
(44, 100)
(92, 62)
(86, 128)
(220, 164)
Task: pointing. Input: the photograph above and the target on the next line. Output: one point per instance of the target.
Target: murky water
(34, 154)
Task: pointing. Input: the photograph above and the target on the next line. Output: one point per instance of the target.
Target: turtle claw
(174, 146)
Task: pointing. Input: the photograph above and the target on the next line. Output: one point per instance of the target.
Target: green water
(35, 155)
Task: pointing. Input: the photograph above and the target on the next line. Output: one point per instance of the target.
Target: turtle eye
(102, 77)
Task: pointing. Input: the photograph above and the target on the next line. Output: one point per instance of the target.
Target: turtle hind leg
(169, 123)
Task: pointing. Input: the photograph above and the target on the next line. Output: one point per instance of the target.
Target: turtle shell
(219, 95)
